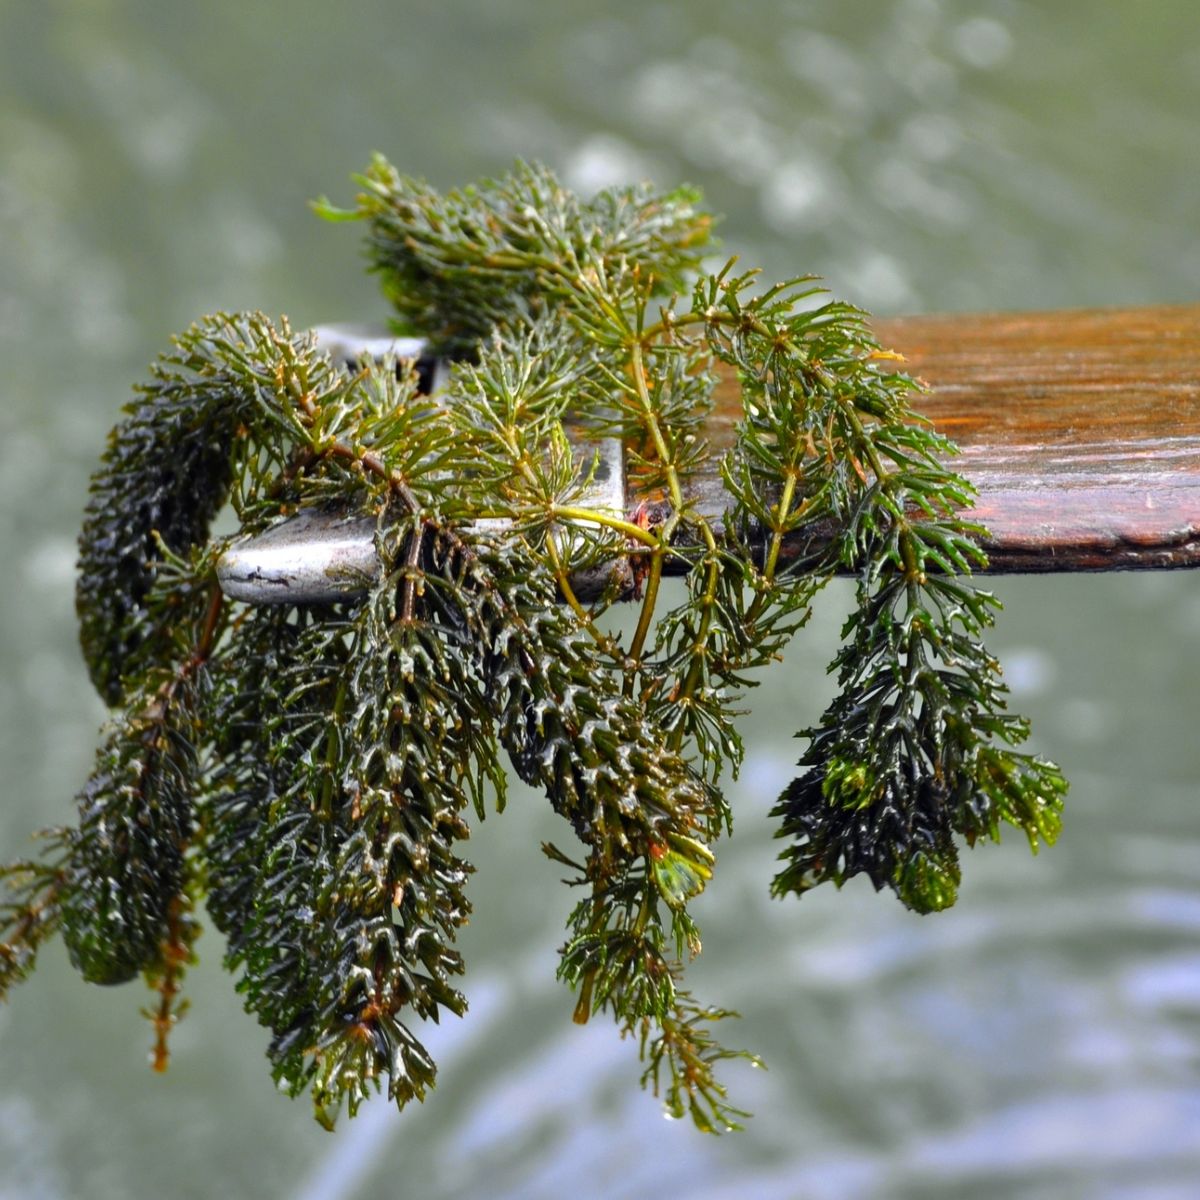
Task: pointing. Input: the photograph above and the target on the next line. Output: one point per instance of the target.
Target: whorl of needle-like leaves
(906, 757)
(312, 769)
(165, 474)
(30, 909)
(568, 727)
(349, 806)
(457, 265)
(126, 864)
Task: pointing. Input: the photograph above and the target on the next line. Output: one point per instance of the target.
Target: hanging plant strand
(308, 772)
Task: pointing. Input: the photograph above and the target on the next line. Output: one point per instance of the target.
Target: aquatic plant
(308, 771)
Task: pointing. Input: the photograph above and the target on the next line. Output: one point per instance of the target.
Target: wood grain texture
(1081, 430)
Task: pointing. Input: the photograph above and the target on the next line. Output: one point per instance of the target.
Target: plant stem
(333, 738)
(887, 481)
(628, 528)
(411, 565)
(603, 640)
(175, 956)
(645, 617)
(638, 369)
(781, 512)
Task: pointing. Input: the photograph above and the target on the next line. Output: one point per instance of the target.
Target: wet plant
(307, 772)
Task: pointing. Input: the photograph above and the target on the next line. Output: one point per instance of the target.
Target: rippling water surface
(1042, 1039)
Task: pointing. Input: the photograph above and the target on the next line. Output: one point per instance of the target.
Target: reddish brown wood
(1081, 430)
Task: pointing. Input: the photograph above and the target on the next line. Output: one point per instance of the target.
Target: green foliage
(309, 771)
(457, 266)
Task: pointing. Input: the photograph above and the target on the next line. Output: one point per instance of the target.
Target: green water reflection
(1042, 1039)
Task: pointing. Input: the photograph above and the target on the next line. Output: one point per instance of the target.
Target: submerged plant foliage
(308, 772)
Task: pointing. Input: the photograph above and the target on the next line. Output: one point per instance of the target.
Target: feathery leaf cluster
(308, 771)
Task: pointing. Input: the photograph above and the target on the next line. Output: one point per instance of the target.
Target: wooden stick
(1081, 430)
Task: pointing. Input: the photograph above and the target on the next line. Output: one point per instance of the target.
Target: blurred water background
(1042, 1039)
